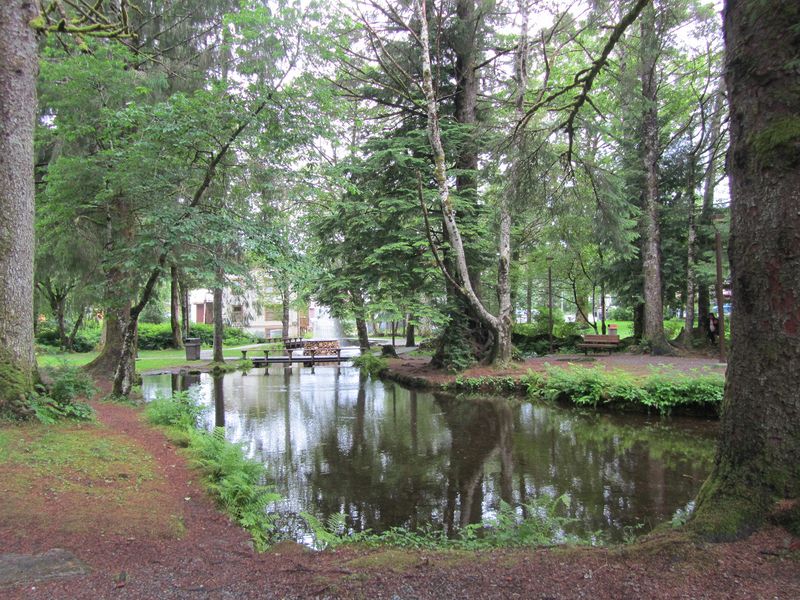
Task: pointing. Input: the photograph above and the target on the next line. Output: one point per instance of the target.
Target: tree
(19, 22)
(758, 458)
(18, 69)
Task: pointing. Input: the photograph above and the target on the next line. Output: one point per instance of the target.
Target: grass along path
(148, 360)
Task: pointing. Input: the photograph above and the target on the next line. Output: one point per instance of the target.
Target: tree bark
(174, 307)
(285, 314)
(18, 70)
(185, 309)
(758, 457)
(691, 245)
(218, 325)
(410, 341)
(651, 248)
(704, 238)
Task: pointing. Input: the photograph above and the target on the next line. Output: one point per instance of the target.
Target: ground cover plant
(537, 523)
(236, 482)
(663, 391)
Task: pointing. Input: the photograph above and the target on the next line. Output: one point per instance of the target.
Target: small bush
(86, 339)
(236, 482)
(484, 384)
(59, 401)
(154, 336)
(668, 391)
(662, 391)
(182, 411)
(370, 363)
(590, 387)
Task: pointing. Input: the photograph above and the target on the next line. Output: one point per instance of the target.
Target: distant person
(713, 327)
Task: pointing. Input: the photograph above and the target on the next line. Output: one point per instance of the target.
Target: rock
(30, 568)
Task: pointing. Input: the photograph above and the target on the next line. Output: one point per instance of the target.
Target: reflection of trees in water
(381, 477)
(477, 429)
(616, 475)
(219, 402)
(406, 464)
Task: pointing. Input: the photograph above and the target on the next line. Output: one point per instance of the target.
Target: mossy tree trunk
(758, 460)
(18, 69)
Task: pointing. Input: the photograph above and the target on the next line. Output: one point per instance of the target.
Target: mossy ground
(94, 478)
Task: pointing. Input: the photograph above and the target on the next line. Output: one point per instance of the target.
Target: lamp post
(550, 299)
(718, 220)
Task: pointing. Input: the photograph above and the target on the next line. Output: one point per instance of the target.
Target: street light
(550, 298)
(718, 220)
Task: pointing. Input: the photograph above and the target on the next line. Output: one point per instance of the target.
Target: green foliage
(232, 478)
(58, 401)
(591, 387)
(236, 482)
(158, 336)
(485, 384)
(182, 411)
(370, 363)
(542, 524)
(86, 339)
(663, 392)
(667, 390)
(620, 313)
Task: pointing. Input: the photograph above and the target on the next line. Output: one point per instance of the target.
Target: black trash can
(192, 346)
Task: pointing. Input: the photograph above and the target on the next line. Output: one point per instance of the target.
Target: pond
(336, 441)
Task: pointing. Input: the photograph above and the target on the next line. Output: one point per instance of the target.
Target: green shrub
(666, 391)
(86, 339)
(59, 400)
(236, 482)
(370, 363)
(620, 313)
(154, 336)
(484, 384)
(182, 411)
(663, 391)
(591, 386)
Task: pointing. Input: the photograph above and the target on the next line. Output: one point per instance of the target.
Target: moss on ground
(97, 479)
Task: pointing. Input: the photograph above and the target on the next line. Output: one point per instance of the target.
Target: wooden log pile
(321, 347)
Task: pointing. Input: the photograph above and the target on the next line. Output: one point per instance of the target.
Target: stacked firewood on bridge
(322, 347)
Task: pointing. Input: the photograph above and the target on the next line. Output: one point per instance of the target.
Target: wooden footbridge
(313, 352)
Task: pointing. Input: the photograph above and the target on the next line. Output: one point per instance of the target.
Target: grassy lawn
(148, 360)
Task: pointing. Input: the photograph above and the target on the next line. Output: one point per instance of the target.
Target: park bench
(599, 342)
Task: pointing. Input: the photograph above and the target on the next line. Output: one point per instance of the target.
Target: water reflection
(336, 441)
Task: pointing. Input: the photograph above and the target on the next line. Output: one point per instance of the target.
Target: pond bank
(197, 552)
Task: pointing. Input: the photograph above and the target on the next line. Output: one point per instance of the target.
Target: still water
(336, 441)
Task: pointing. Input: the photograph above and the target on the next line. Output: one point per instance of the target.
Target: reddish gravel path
(214, 559)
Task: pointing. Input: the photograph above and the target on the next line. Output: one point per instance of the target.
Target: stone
(18, 569)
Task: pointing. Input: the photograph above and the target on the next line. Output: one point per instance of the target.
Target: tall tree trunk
(361, 322)
(691, 245)
(758, 457)
(174, 307)
(651, 250)
(18, 69)
(285, 315)
(185, 309)
(75, 328)
(706, 240)
(218, 325)
(410, 341)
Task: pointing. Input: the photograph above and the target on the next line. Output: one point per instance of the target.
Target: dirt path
(207, 557)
